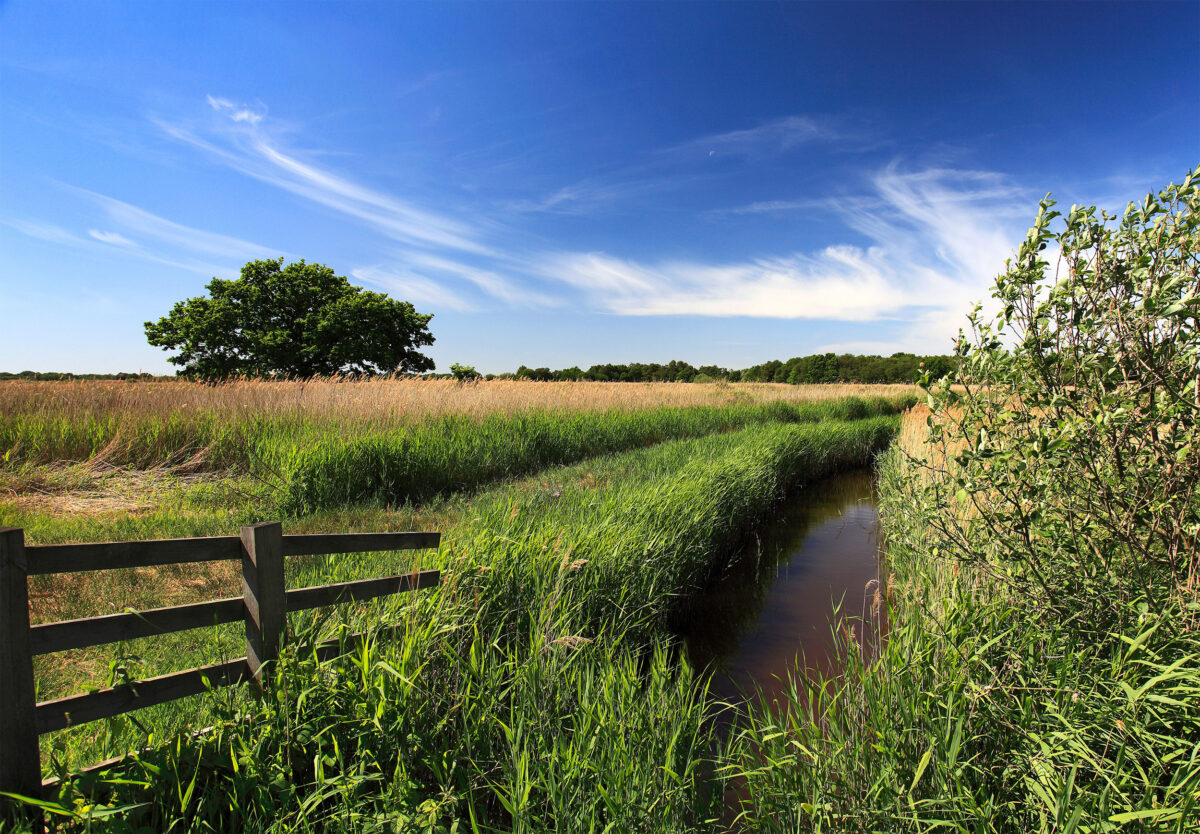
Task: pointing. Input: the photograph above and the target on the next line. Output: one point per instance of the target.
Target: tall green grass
(451, 453)
(982, 714)
(315, 463)
(652, 539)
(534, 691)
(217, 441)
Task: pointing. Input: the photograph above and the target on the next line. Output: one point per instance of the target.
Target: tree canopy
(301, 320)
(465, 373)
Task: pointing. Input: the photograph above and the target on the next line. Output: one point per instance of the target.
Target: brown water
(779, 599)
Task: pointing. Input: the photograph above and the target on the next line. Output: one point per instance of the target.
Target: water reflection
(779, 596)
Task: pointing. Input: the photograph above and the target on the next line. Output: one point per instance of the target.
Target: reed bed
(981, 713)
(451, 454)
(532, 692)
(173, 420)
(321, 444)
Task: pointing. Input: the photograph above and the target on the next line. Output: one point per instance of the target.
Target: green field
(530, 689)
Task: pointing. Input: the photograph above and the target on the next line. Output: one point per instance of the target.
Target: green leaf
(921, 768)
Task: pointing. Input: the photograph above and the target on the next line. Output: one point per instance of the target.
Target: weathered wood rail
(263, 607)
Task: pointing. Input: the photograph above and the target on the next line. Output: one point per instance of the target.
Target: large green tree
(299, 320)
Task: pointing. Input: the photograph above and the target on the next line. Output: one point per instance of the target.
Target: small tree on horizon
(465, 373)
(299, 321)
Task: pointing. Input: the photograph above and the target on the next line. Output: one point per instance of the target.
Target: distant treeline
(54, 376)
(820, 367)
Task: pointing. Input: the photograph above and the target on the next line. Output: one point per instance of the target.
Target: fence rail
(263, 607)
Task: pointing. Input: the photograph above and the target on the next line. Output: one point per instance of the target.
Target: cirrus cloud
(937, 238)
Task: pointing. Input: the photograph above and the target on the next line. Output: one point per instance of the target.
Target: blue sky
(568, 183)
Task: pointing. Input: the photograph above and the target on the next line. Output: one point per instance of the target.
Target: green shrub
(1043, 665)
(1077, 449)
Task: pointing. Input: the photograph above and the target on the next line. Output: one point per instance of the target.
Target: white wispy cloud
(675, 167)
(111, 237)
(47, 232)
(239, 139)
(938, 237)
(410, 286)
(587, 196)
(840, 282)
(489, 281)
(935, 238)
(772, 207)
(776, 136)
(430, 269)
(442, 282)
(148, 237)
(238, 114)
(139, 223)
(566, 200)
(109, 243)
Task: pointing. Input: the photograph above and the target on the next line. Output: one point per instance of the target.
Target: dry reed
(391, 401)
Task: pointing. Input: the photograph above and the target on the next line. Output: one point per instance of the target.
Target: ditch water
(808, 569)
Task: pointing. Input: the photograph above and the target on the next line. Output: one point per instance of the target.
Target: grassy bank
(229, 426)
(294, 457)
(451, 454)
(526, 693)
(983, 713)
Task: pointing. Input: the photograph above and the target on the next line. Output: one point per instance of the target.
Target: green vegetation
(831, 367)
(63, 376)
(300, 321)
(1043, 667)
(464, 373)
(532, 692)
(820, 368)
(452, 454)
(305, 463)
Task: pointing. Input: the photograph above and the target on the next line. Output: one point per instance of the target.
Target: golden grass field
(393, 401)
(79, 476)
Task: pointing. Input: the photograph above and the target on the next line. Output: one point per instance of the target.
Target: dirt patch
(93, 488)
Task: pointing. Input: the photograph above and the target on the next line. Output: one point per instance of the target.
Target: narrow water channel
(808, 567)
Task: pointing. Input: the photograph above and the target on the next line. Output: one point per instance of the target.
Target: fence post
(263, 590)
(20, 759)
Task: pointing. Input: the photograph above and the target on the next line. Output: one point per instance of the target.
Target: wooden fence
(263, 606)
